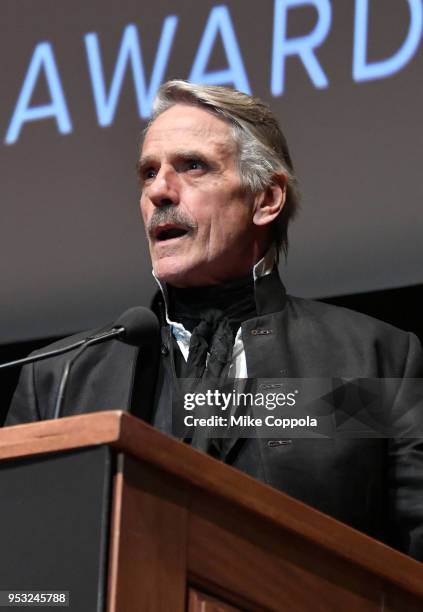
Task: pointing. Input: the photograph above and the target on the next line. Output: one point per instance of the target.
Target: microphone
(137, 326)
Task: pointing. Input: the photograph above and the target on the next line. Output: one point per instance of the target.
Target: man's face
(198, 220)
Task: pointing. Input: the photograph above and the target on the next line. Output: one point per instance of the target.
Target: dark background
(73, 249)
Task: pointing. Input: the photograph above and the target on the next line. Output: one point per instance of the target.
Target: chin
(173, 272)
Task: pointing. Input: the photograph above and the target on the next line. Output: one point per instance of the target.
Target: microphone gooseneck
(90, 341)
(41, 356)
(137, 326)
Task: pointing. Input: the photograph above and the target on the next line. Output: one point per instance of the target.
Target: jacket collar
(269, 291)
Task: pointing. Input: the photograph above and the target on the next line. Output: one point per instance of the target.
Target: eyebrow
(150, 160)
(183, 153)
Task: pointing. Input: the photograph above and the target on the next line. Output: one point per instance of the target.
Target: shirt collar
(266, 264)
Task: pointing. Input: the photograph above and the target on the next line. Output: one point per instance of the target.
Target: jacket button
(272, 443)
(164, 350)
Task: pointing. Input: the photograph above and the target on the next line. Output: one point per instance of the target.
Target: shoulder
(339, 331)
(101, 378)
(341, 319)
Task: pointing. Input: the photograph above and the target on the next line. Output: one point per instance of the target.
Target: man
(217, 193)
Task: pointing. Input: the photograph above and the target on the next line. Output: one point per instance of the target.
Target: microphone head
(141, 327)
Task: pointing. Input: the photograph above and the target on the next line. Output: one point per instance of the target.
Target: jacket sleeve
(405, 459)
(24, 405)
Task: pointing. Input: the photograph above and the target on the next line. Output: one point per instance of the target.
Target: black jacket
(373, 484)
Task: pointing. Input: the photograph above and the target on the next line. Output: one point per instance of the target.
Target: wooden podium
(129, 520)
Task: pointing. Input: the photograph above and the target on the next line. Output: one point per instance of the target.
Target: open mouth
(169, 232)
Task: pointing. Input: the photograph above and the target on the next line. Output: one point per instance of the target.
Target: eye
(148, 174)
(195, 164)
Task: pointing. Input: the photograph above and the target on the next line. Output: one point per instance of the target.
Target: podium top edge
(61, 434)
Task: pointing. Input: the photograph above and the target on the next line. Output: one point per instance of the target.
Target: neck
(234, 299)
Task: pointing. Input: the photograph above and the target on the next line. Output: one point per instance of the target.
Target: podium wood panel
(148, 556)
(183, 523)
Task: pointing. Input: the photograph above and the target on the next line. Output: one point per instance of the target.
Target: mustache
(170, 214)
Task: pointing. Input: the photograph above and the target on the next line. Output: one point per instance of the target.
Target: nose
(163, 190)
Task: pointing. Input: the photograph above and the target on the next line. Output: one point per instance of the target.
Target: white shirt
(238, 367)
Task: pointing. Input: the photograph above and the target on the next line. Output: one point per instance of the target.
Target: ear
(269, 203)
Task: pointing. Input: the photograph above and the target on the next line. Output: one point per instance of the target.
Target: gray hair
(262, 147)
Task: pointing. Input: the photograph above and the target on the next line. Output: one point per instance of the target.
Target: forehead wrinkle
(211, 131)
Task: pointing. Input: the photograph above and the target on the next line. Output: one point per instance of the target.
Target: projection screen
(78, 78)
